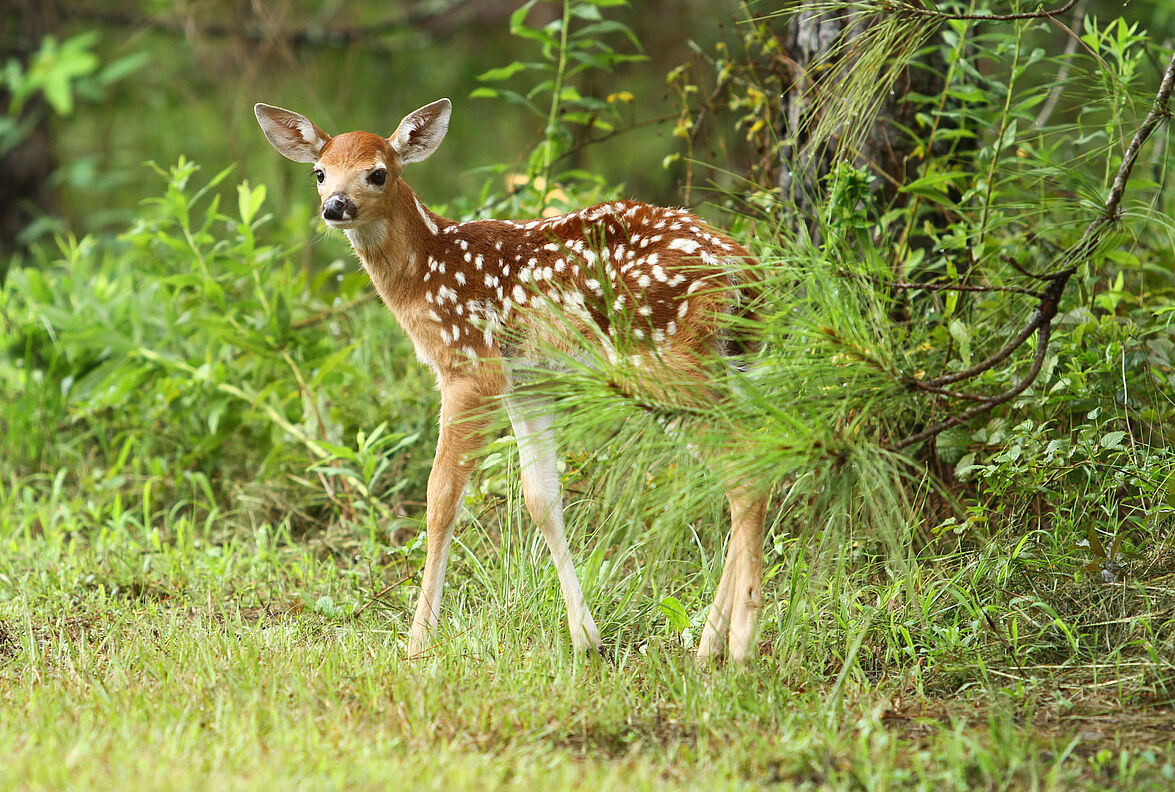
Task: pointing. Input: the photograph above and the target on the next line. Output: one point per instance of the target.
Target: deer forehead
(355, 151)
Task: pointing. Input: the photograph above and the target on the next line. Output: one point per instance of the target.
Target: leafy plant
(195, 341)
(570, 47)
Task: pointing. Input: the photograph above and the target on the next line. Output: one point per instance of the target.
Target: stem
(908, 5)
(997, 146)
(549, 132)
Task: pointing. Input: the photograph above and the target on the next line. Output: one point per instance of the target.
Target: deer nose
(339, 207)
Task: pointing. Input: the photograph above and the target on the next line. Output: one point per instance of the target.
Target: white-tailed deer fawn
(482, 302)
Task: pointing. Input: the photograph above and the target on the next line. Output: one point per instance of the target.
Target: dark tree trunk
(28, 192)
(887, 149)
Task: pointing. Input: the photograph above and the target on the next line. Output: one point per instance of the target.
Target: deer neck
(394, 247)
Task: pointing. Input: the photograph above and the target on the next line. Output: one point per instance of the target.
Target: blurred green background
(180, 78)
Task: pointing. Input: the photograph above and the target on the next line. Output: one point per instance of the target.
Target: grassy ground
(151, 652)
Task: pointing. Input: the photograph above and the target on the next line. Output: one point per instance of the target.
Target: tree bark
(886, 151)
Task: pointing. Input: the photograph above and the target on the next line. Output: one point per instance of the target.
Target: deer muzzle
(338, 208)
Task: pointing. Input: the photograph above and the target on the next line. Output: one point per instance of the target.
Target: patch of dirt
(273, 611)
(8, 647)
(1096, 726)
(132, 590)
(602, 741)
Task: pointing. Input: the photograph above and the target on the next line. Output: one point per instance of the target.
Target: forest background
(214, 440)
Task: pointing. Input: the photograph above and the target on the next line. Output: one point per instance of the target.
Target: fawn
(482, 301)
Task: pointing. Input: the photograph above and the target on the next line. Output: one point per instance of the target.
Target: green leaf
(503, 72)
(123, 67)
(959, 332)
(249, 201)
(1112, 439)
(675, 613)
(282, 313)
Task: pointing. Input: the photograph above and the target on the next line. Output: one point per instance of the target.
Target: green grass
(170, 652)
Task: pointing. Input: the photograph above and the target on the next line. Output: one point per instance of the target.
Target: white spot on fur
(460, 277)
(686, 246)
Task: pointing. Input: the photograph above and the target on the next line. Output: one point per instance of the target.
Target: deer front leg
(532, 422)
(464, 406)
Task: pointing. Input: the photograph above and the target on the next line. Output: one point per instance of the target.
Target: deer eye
(318, 174)
(378, 176)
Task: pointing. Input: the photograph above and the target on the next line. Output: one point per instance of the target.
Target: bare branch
(962, 287)
(1042, 343)
(1041, 320)
(919, 10)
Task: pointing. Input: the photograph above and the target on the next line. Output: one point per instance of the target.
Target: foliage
(201, 347)
(61, 73)
(571, 46)
(1001, 190)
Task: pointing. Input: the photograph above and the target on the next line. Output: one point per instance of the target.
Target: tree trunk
(27, 168)
(887, 149)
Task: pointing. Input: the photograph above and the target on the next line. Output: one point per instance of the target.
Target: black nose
(338, 207)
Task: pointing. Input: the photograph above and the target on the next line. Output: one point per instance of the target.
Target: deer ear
(293, 135)
(421, 131)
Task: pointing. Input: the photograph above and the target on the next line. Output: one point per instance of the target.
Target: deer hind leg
(532, 421)
(731, 619)
(464, 407)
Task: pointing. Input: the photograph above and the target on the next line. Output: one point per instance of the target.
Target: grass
(162, 651)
